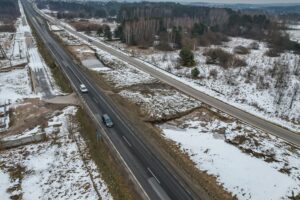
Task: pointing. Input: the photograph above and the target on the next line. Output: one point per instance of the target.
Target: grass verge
(59, 77)
(118, 185)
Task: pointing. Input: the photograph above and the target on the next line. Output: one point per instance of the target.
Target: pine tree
(187, 57)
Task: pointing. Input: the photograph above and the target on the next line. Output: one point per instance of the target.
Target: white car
(83, 88)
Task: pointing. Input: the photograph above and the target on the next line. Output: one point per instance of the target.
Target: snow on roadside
(161, 104)
(294, 32)
(35, 60)
(123, 74)
(55, 168)
(4, 184)
(238, 168)
(15, 85)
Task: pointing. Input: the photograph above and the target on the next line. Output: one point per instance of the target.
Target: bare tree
(281, 80)
(294, 95)
(297, 67)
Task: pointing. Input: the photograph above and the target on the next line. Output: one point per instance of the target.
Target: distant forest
(70, 10)
(172, 25)
(9, 12)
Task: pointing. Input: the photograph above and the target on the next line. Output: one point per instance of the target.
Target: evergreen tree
(195, 72)
(107, 32)
(100, 31)
(118, 33)
(187, 57)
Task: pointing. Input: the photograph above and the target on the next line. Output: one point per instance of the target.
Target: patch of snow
(15, 85)
(161, 104)
(26, 133)
(238, 172)
(4, 183)
(294, 33)
(55, 168)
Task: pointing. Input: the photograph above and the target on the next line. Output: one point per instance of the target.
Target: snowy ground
(160, 103)
(59, 168)
(250, 88)
(295, 33)
(117, 72)
(15, 85)
(248, 163)
(42, 73)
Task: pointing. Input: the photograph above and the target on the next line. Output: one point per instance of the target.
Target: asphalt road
(156, 180)
(267, 126)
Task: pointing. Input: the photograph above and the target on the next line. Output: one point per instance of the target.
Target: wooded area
(84, 9)
(9, 12)
(173, 25)
(169, 26)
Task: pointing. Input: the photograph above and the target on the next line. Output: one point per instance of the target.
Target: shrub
(213, 73)
(187, 57)
(195, 72)
(237, 62)
(254, 45)
(7, 28)
(240, 50)
(85, 26)
(223, 58)
(272, 53)
(212, 38)
(107, 32)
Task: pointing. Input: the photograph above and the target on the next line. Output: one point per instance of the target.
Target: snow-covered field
(295, 33)
(15, 85)
(160, 104)
(122, 74)
(59, 168)
(258, 166)
(251, 88)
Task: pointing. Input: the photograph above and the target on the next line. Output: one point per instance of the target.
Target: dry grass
(59, 77)
(119, 186)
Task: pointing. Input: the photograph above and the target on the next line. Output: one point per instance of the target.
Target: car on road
(83, 88)
(90, 40)
(107, 121)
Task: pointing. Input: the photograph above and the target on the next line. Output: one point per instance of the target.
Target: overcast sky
(241, 1)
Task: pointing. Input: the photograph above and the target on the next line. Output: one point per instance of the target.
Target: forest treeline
(168, 25)
(181, 25)
(9, 12)
(84, 9)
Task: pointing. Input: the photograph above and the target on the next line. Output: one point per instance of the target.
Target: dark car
(107, 121)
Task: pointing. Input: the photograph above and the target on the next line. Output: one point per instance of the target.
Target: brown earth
(29, 114)
(82, 52)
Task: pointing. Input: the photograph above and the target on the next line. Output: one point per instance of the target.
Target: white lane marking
(126, 141)
(153, 174)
